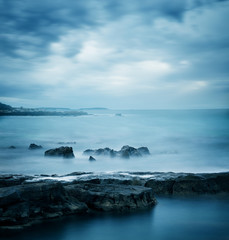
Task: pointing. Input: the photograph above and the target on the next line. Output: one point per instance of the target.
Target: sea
(178, 140)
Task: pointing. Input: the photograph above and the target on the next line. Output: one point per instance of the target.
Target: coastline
(42, 197)
(43, 113)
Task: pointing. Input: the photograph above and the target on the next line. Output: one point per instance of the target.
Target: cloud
(161, 52)
(45, 21)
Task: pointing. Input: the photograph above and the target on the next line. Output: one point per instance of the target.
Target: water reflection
(173, 218)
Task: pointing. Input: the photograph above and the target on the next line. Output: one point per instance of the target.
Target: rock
(101, 151)
(12, 147)
(46, 175)
(54, 175)
(78, 173)
(23, 204)
(201, 184)
(65, 152)
(89, 152)
(91, 159)
(125, 152)
(113, 197)
(144, 151)
(8, 180)
(113, 153)
(34, 146)
(190, 184)
(161, 187)
(23, 201)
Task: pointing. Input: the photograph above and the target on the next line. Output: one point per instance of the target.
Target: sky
(121, 54)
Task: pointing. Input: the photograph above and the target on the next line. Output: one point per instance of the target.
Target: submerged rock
(125, 152)
(34, 146)
(66, 152)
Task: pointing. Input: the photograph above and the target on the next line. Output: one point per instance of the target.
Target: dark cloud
(47, 20)
(44, 20)
(102, 45)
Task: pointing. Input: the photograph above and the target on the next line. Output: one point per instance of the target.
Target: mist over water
(179, 141)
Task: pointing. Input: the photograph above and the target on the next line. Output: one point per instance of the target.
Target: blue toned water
(172, 219)
(179, 141)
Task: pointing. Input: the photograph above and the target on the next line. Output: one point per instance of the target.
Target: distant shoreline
(42, 113)
(7, 110)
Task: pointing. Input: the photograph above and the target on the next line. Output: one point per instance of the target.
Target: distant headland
(7, 110)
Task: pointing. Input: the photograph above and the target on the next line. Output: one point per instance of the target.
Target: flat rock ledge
(186, 184)
(24, 204)
(28, 199)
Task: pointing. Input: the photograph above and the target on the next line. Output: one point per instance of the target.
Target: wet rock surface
(167, 183)
(28, 202)
(66, 152)
(191, 184)
(112, 197)
(8, 180)
(26, 199)
(125, 152)
(23, 204)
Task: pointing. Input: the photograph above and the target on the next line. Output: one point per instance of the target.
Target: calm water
(179, 141)
(172, 219)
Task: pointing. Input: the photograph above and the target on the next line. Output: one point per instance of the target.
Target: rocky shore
(23, 200)
(28, 199)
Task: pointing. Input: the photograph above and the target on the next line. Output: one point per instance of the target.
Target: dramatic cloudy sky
(114, 53)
